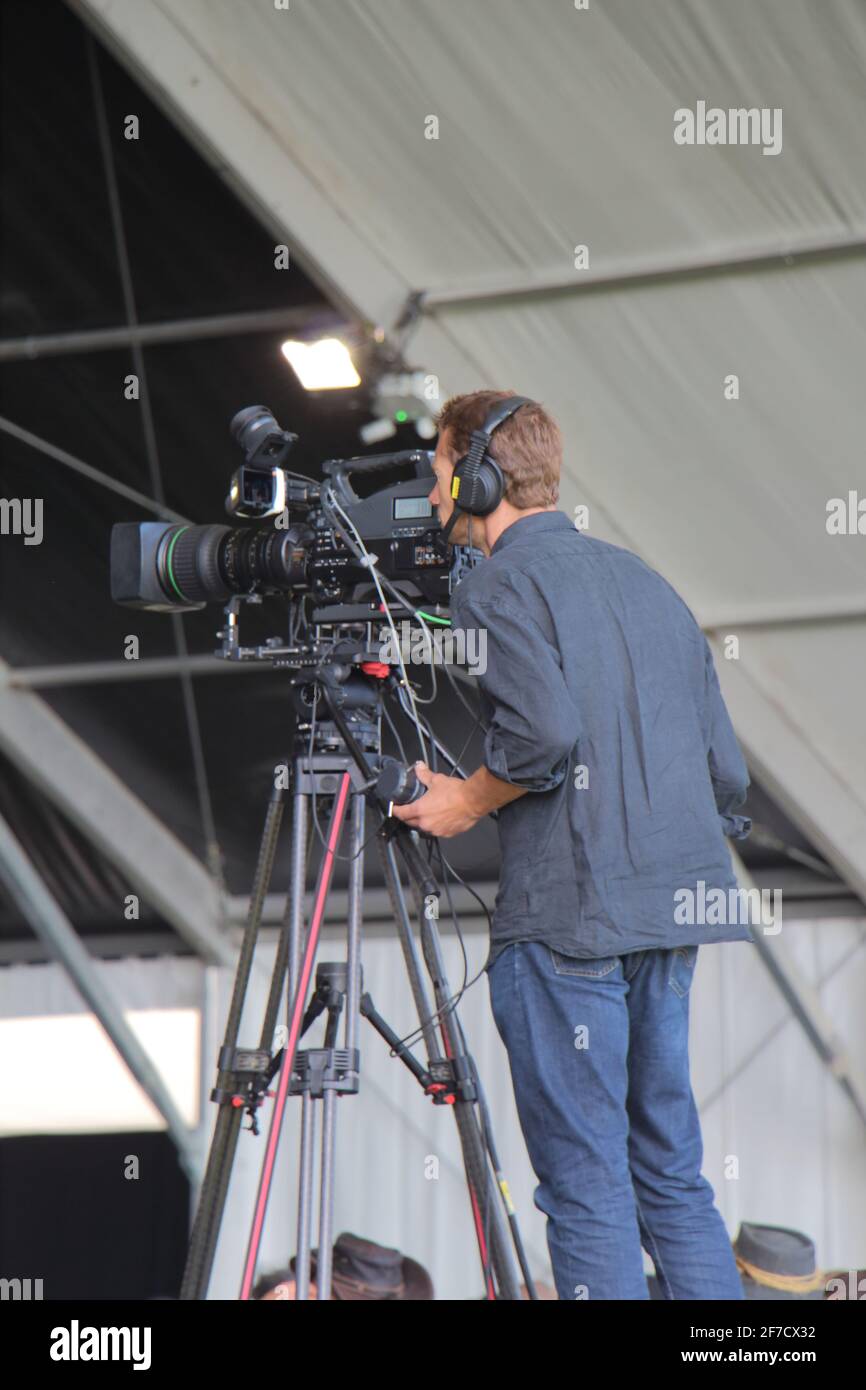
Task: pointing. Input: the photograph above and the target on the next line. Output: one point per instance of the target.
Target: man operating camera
(612, 762)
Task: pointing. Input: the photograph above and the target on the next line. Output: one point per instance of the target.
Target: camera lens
(207, 564)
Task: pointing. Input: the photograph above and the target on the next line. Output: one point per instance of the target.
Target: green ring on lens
(171, 578)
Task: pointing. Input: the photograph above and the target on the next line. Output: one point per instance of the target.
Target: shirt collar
(528, 527)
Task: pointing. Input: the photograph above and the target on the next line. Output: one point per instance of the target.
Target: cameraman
(612, 761)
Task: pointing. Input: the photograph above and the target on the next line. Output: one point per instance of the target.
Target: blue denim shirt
(601, 698)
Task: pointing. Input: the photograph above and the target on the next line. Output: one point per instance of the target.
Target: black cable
(478, 898)
(469, 738)
(392, 726)
(455, 763)
(404, 598)
(446, 666)
(450, 1005)
(426, 726)
(434, 846)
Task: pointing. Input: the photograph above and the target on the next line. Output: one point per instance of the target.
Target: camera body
(298, 548)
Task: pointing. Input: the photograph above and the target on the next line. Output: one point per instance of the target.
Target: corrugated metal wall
(765, 1099)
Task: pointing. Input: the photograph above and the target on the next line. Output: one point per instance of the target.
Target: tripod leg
(212, 1197)
(289, 943)
(502, 1184)
(352, 1017)
(301, 987)
(495, 1253)
(206, 1227)
(300, 857)
(420, 993)
(326, 1195)
(305, 1197)
(355, 905)
(484, 1194)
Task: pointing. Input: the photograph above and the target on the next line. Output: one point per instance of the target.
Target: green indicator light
(401, 417)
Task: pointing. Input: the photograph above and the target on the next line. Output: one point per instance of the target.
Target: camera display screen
(407, 508)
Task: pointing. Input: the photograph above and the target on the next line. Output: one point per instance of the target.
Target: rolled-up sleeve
(534, 724)
(728, 771)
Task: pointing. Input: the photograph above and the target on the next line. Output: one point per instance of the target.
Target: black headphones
(478, 483)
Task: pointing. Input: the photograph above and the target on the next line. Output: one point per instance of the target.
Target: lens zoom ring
(195, 564)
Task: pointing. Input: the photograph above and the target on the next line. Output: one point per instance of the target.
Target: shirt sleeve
(728, 771)
(534, 724)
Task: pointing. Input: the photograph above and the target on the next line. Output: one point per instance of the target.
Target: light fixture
(321, 366)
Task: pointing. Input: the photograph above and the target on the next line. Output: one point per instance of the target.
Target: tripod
(333, 768)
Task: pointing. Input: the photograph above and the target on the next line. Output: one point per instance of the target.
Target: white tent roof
(555, 130)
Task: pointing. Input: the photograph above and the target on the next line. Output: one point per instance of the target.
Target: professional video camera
(320, 542)
(348, 566)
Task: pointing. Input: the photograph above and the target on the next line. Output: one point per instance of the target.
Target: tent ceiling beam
(56, 932)
(171, 331)
(778, 255)
(74, 779)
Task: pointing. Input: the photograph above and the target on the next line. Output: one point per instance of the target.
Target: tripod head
(336, 666)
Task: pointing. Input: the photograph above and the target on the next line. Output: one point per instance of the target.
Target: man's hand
(451, 807)
(444, 809)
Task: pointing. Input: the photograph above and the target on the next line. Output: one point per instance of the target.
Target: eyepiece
(252, 425)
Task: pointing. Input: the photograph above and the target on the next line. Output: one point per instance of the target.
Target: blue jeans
(600, 1065)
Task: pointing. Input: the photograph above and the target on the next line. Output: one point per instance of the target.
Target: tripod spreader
(446, 1081)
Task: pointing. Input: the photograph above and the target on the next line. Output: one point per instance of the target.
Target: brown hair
(527, 446)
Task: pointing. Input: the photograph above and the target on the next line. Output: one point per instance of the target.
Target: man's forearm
(486, 793)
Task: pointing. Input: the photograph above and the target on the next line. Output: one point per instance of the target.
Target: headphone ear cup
(458, 476)
(479, 478)
(489, 488)
(481, 496)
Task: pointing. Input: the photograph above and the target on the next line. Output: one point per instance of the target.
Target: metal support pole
(174, 331)
(806, 1007)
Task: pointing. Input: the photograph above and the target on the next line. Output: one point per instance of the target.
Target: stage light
(321, 366)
